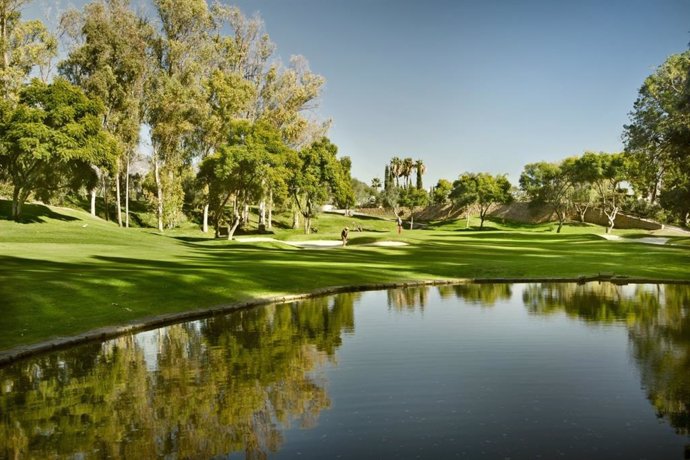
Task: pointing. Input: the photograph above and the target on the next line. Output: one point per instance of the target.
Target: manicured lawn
(64, 272)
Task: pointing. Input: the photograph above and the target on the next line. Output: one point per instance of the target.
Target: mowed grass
(64, 272)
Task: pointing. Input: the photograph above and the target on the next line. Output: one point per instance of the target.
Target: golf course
(66, 272)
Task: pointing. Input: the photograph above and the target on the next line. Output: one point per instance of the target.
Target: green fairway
(64, 272)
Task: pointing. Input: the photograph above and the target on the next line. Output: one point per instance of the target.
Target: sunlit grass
(65, 272)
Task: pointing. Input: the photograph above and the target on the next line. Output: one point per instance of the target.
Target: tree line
(650, 178)
(229, 124)
(230, 127)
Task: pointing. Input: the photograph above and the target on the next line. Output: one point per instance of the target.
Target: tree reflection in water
(234, 383)
(215, 386)
(658, 321)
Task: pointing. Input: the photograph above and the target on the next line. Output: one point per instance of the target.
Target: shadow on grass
(32, 213)
(44, 297)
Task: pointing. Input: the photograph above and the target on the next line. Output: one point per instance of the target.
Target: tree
(174, 97)
(481, 190)
(315, 175)
(605, 171)
(376, 183)
(420, 167)
(23, 46)
(548, 184)
(109, 61)
(658, 136)
(441, 192)
(286, 95)
(50, 139)
(237, 172)
(407, 168)
(396, 169)
(231, 82)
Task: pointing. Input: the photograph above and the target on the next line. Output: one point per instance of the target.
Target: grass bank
(64, 272)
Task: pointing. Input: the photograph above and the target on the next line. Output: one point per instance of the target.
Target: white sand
(646, 239)
(311, 244)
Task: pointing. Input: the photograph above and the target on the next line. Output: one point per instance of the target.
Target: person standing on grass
(400, 222)
(344, 234)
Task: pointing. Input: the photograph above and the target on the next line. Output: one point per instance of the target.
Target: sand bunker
(312, 244)
(646, 239)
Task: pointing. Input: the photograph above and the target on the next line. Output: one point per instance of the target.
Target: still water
(468, 371)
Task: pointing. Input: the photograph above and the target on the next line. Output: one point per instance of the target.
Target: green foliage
(656, 140)
(364, 194)
(240, 168)
(51, 139)
(481, 190)
(413, 197)
(441, 192)
(548, 184)
(316, 174)
(605, 172)
(23, 46)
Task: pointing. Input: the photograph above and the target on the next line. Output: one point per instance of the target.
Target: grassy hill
(65, 272)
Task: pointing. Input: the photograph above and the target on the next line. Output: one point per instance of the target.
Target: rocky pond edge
(151, 322)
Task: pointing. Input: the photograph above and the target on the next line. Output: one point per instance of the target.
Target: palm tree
(421, 169)
(408, 166)
(396, 169)
(376, 183)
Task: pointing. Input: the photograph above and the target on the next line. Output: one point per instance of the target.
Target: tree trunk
(105, 197)
(93, 202)
(118, 197)
(236, 223)
(205, 223)
(269, 224)
(411, 222)
(127, 194)
(16, 203)
(159, 192)
(561, 219)
(307, 225)
(262, 213)
(611, 218)
(295, 220)
(245, 216)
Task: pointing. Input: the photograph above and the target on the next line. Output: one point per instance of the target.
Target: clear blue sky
(471, 85)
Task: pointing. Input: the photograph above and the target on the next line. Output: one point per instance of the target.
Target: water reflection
(193, 390)
(658, 321)
(485, 294)
(235, 383)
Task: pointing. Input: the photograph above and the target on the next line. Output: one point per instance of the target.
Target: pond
(470, 371)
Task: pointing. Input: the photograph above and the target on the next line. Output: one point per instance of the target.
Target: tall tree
(235, 70)
(441, 192)
(50, 139)
(234, 172)
(108, 60)
(23, 46)
(481, 190)
(286, 97)
(658, 136)
(315, 175)
(407, 168)
(376, 184)
(605, 171)
(420, 167)
(548, 184)
(396, 169)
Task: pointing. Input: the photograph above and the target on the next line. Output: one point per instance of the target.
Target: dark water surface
(469, 371)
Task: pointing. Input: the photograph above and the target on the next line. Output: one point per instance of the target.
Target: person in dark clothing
(344, 234)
